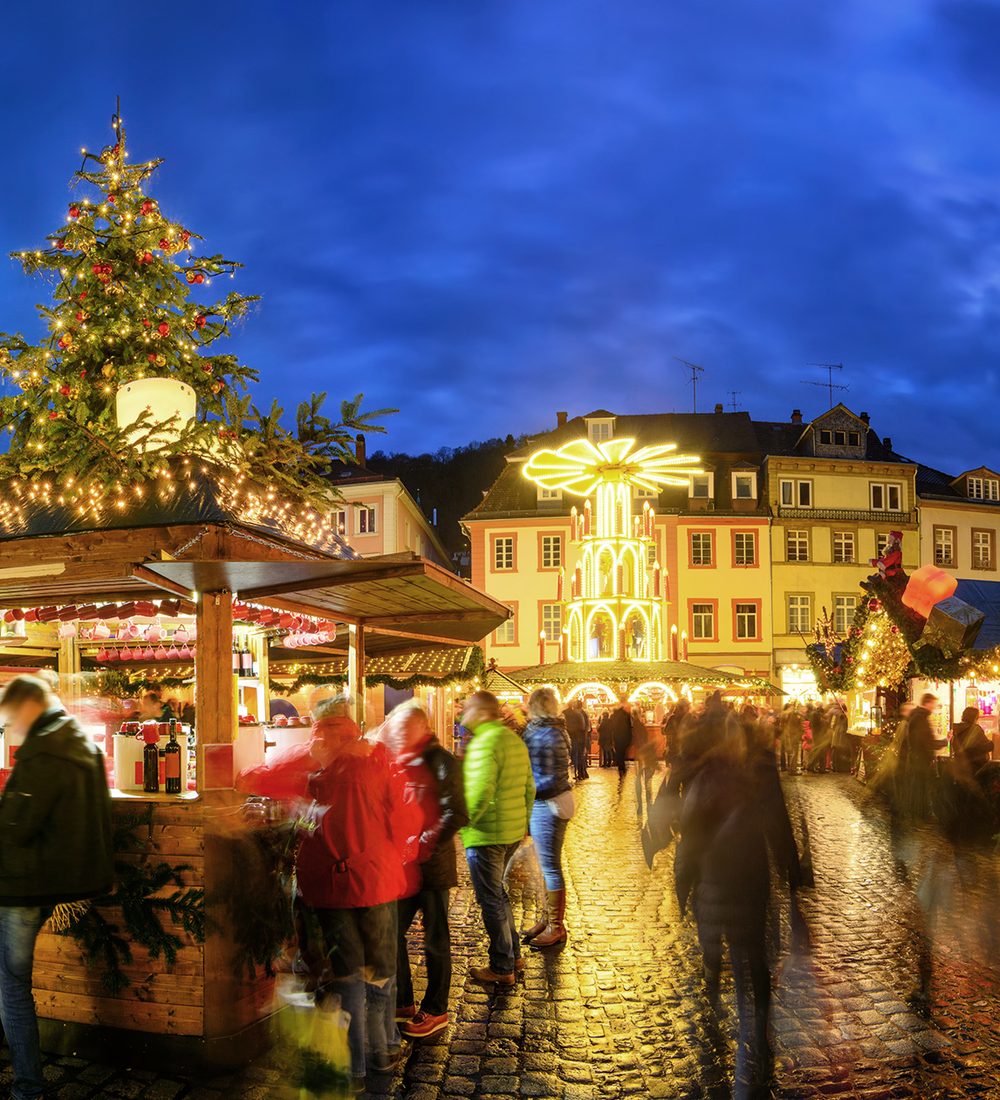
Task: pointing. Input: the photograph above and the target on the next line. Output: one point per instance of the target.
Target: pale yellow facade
(960, 534)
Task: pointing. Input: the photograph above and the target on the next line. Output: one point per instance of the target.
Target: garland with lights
(473, 670)
(123, 312)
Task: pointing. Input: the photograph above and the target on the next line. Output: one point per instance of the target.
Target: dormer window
(854, 439)
(701, 485)
(600, 430)
(983, 488)
(744, 487)
(836, 437)
(549, 494)
(825, 436)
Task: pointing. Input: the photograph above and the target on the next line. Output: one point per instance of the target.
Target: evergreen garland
(135, 893)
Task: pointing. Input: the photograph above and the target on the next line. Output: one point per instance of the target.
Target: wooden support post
(216, 719)
(356, 672)
(69, 672)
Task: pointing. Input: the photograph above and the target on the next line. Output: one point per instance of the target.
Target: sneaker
(423, 1024)
(405, 1013)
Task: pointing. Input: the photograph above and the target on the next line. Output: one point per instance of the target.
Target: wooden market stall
(204, 1005)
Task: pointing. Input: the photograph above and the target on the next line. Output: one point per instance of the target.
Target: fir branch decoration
(138, 884)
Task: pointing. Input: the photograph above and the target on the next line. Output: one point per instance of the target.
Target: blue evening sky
(484, 211)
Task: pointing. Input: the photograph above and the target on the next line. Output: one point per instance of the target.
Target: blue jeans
(19, 927)
(486, 868)
(361, 944)
(548, 832)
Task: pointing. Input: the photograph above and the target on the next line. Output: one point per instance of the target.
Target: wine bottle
(236, 658)
(172, 762)
(151, 767)
(246, 659)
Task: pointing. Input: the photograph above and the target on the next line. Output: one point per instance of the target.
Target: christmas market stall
(159, 532)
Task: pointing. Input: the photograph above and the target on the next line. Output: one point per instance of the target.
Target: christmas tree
(127, 306)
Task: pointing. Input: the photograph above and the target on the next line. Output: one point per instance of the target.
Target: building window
(799, 614)
(701, 548)
(944, 545)
(646, 494)
(703, 622)
(744, 548)
(506, 633)
(746, 621)
(984, 488)
(744, 486)
(551, 551)
(366, 521)
(797, 545)
(882, 543)
(600, 431)
(701, 486)
(843, 613)
(552, 621)
(796, 494)
(340, 523)
(549, 494)
(982, 549)
(843, 546)
(503, 553)
(886, 497)
(854, 439)
(840, 438)
(825, 436)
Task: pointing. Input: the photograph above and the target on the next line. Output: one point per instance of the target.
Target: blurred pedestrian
(55, 847)
(917, 751)
(548, 749)
(673, 728)
(970, 746)
(578, 728)
(620, 731)
(350, 871)
(432, 780)
(605, 741)
(499, 796)
(733, 822)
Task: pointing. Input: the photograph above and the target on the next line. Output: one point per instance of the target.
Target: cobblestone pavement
(619, 1011)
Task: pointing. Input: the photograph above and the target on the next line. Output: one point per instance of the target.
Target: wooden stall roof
(397, 598)
(636, 672)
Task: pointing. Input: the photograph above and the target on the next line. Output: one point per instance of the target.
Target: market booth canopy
(636, 672)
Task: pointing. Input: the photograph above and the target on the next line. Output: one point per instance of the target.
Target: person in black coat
(620, 729)
(733, 820)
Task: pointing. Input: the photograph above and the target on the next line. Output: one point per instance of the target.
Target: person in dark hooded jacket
(55, 847)
(733, 816)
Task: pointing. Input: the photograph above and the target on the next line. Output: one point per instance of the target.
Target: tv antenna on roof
(734, 394)
(693, 380)
(830, 385)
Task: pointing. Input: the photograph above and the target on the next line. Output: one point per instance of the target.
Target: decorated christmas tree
(128, 384)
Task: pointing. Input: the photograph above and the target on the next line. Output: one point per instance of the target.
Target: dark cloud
(485, 212)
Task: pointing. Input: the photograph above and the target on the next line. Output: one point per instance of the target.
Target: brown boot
(536, 929)
(555, 931)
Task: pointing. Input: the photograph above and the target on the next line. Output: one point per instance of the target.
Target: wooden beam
(308, 610)
(356, 673)
(147, 575)
(465, 615)
(418, 637)
(214, 674)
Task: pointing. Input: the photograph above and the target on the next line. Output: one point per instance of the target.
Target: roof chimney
(864, 417)
(718, 408)
(887, 443)
(796, 416)
(359, 450)
(560, 420)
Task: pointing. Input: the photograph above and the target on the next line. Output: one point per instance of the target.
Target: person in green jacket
(499, 794)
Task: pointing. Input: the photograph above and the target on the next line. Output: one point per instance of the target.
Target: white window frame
(506, 632)
(554, 542)
(701, 536)
(699, 619)
(552, 634)
(641, 493)
(881, 543)
(844, 608)
(944, 537)
(801, 537)
(882, 492)
(340, 522)
(744, 476)
(752, 536)
(706, 481)
(367, 520)
(983, 488)
(549, 494)
(507, 541)
(977, 563)
(793, 498)
(744, 619)
(600, 431)
(846, 537)
(803, 613)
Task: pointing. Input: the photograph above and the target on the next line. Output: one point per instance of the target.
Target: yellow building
(959, 519)
(836, 491)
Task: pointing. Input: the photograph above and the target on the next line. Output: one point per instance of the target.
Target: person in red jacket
(432, 784)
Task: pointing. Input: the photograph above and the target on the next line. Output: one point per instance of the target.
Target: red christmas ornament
(74, 211)
(147, 207)
(83, 374)
(79, 315)
(199, 278)
(164, 244)
(207, 368)
(97, 269)
(64, 390)
(53, 415)
(146, 322)
(106, 268)
(874, 605)
(163, 328)
(83, 295)
(200, 320)
(147, 257)
(185, 236)
(60, 243)
(112, 199)
(151, 357)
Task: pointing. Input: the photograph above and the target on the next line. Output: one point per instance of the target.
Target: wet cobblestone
(619, 1010)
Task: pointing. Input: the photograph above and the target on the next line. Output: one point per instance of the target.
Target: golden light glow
(581, 466)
